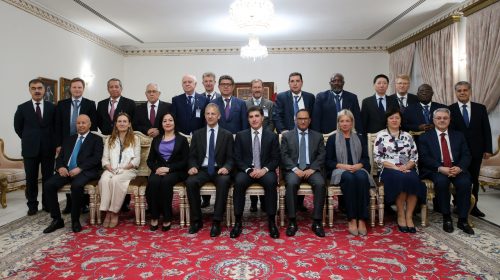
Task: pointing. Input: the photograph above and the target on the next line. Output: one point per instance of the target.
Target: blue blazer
(186, 120)
(238, 119)
(414, 115)
(283, 116)
(324, 118)
(429, 153)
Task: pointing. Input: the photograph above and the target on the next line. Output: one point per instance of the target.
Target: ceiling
(159, 24)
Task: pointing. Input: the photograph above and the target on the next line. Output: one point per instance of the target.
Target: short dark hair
(160, 124)
(303, 110)
(226, 77)
(294, 74)
(380, 76)
(75, 80)
(391, 111)
(115, 80)
(255, 109)
(36, 81)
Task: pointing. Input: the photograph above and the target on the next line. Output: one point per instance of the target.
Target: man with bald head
(78, 162)
(147, 115)
(189, 107)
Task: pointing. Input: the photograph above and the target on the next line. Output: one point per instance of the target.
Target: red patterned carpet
(131, 252)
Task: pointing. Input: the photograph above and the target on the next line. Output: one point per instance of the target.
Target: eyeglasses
(225, 84)
(152, 91)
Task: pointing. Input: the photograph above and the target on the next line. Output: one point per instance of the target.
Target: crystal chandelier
(254, 49)
(252, 16)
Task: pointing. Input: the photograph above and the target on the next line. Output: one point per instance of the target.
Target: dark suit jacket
(410, 99)
(373, 121)
(212, 97)
(290, 150)
(36, 138)
(238, 119)
(331, 154)
(141, 119)
(223, 148)
(177, 162)
(103, 122)
(89, 156)
(414, 115)
(63, 117)
(283, 116)
(478, 134)
(324, 118)
(269, 150)
(185, 118)
(429, 153)
(265, 104)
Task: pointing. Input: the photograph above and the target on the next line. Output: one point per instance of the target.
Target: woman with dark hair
(168, 159)
(347, 161)
(120, 159)
(396, 156)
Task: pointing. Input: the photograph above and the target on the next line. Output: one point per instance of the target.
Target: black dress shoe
(76, 227)
(292, 229)
(54, 225)
(166, 228)
(46, 209)
(195, 227)
(465, 227)
(317, 228)
(253, 208)
(32, 211)
(273, 230)
(85, 209)
(403, 229)
(153, 228)
(205, 203)
(215, 230)
(448, 226)
(477, 213)
(412, 229)
(236, 231)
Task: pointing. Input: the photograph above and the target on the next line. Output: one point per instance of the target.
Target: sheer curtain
(437, 64)
(483, 55)
(400, 62)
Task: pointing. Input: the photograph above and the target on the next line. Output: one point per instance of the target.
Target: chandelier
(254, 49)
(252, 16)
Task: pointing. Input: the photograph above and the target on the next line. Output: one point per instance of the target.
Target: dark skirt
(396, 182)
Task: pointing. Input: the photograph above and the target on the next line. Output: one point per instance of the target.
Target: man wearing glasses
(233, 110)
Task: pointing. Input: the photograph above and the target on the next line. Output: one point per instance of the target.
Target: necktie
(209, 97)
(295, 105)
(402, 106)
(152, 115)
(337, 102)
(257, 102)
(466, 115)
(112, 110)
(227, 110)
(74, 154)
(38, 112)
(190, 102)
(256, 151)
(427, 114)
(445, 151)
(74, 116)
(302, 151)
(211, 153)
(381, 106)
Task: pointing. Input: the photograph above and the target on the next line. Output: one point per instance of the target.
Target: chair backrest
(371, 142)
(188, 137)
(145, 140)
(7, 162)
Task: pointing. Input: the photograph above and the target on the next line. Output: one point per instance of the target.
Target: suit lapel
(436, 147)
(219, 142)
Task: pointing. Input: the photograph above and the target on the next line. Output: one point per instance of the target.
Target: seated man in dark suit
(256, 155)
(303, 158)
(402, 96)
(444, 158)
(145, 119)
(418, 117)
(210, 160)
(78, 163)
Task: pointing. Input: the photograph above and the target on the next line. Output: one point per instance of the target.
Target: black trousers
(462, 184)
(161, 191)
(195, 182)
(356, 191)
(31, 167)
(474, 169)
(292, 184)
(241, 184)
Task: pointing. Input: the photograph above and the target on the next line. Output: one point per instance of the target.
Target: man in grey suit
(302, 160)
(257, 90)
(208, 80)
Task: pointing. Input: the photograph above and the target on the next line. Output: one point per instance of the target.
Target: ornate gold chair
(12, 176)
(490, 170)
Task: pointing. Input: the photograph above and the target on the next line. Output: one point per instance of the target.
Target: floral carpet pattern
(132, 252)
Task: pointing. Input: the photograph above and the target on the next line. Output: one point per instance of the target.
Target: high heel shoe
(153, 227)
(114, 220)
(403, 229)
(412, 230)
(165, 227)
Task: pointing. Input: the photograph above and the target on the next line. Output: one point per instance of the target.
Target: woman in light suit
(120, 159)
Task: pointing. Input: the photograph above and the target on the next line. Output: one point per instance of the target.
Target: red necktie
(445, 151)
(152, 115)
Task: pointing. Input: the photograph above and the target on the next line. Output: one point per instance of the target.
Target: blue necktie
(466, 115)
(381, 106)
(296, 105)
(337, 102)
(427, 114)
(211, 153)
(74, 116)
(74, 154)
(190, 102)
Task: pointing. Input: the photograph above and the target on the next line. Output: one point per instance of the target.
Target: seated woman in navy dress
(396, 155)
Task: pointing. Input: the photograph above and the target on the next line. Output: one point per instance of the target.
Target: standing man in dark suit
(210, 160)
(444, 158)
(374, 107)
(471, 119)
(402, 96)
(233, 109)
(289, 102)
(303, 159)
(34, 124)
(208, 80)
(330, 102)
(67, 111)
(109, 108)
(188, 107)
(147, 115)
(256, 155)
(418, 117)
(79, 162)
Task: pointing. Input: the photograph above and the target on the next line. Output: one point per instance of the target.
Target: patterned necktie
(295, 105)
(152, 115)
(381, 105)
(337, 102)
(112, 110)
(74, 116)
(302, 151)
(427, 114)
(211, 153)
(465, 114)
(257, 102)
(445, 151)
(402, 106)
(74, 154)
(190, 102)
(227, 109)
(256, 151)
(38, 112)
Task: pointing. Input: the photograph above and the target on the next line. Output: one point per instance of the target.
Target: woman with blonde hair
(120, 160)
